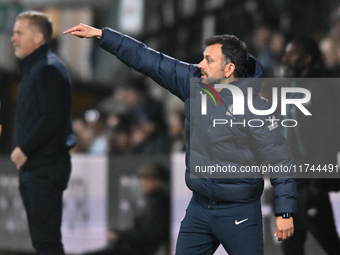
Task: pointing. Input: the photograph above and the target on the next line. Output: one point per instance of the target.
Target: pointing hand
(84, 31)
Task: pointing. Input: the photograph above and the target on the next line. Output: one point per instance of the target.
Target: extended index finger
(73, 29)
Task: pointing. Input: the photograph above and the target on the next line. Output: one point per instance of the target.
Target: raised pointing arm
(170, 73)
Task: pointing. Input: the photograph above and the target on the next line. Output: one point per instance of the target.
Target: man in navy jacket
(42, 131)
(223, 210)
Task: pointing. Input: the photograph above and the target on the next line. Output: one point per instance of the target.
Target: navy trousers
(207, 224)
(41, 190)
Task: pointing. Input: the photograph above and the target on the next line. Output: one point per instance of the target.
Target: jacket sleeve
(54, 103)
(272, 149)
(170, 73)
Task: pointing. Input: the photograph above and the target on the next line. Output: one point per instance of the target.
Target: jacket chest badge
(230, 111)
(272, 123)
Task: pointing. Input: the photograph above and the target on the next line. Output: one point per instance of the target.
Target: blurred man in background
(312, 141)
(151, 227)
(42, 133)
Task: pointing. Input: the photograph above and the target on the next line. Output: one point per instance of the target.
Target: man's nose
(200, 65)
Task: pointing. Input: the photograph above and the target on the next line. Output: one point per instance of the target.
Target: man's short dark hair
(233, 49)
(41, 21)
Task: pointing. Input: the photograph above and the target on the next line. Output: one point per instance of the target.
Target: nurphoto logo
(238, 99)
(237, 108)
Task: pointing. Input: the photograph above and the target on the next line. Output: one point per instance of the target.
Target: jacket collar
(27, 63)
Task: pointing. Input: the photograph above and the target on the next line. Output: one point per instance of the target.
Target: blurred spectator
(120, 141)
(83, 135)
(147, 137)
(148, 128)
(277, 44)
(269, 47)
(313, 142)
(91, 133)
(330, 49)
(139, 105)
(261, 42)
(151, 225)
(137, 136)
(277, 47)
(97, 124)
(177, 131)
(335, 24)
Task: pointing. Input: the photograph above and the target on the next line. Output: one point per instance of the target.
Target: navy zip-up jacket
(43, 128)
(224, 145)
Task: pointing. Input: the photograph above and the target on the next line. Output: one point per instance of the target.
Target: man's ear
(229, 70)
(39, 38)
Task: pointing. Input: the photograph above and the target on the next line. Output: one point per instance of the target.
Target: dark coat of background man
(42, 132)
(312, 142)
(223, 211)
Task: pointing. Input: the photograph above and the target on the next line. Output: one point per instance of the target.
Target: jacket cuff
(284, 205)
(110, 40)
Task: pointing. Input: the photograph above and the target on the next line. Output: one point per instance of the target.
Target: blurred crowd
(268, 45)
(139, 123)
